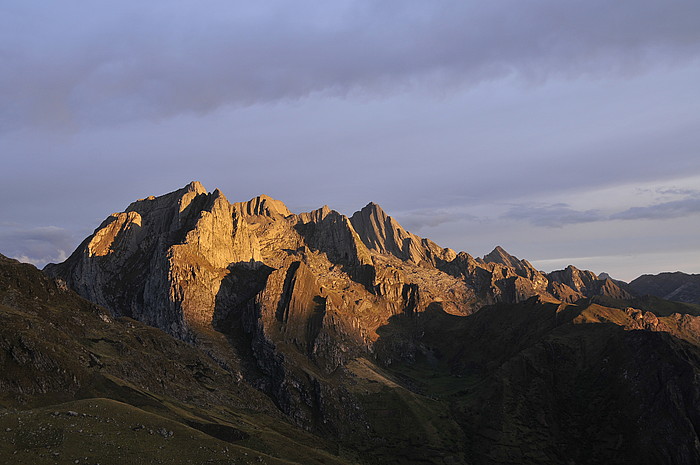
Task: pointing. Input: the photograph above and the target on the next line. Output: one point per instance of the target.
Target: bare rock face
(383, 234)
(262, 205)
(499, 255)
(571, 284)
(161, 261)
(190, 260)
(330, 232)
(517, 280)
(576, 279)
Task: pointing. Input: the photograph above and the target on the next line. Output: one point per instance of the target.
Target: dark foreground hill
(321, 338)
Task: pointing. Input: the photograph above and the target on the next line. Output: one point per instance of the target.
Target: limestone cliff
(161, 261)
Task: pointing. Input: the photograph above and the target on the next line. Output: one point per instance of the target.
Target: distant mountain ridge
(681, 287)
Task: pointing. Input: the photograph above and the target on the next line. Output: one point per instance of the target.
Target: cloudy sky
(567, 131)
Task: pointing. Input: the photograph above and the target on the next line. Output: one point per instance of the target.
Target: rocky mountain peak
(583, 283)
(522, 267)
(317, 215)
(382, 233)
(378, 230)
(263, 205)
(363, 366)
(499, 255)
(574, 278)
(150, 261)
(374, 209)
(196, 187)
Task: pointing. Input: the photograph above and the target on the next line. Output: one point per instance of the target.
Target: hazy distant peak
(678, 286)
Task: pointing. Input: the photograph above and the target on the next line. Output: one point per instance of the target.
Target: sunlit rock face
(164, 259)
(161, 261)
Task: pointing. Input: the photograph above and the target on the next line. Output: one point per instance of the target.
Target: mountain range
(243, 333)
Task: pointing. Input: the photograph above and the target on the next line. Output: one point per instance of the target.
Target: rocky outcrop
(162, 260)
(262, 205)
(578, 280)
(571, 284)
(328, 231)
(301, 308)
(383, 234)
(521, 267)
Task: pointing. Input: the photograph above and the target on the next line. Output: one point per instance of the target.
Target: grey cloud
(71, 63)
(560, 214)
(678, 191)
(416, 220)
(664, 210)
(554, 215)
(37, 245)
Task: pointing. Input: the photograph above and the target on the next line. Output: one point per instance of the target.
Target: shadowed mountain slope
(677, 286)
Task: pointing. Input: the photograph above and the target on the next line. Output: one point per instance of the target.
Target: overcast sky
(565, 131)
